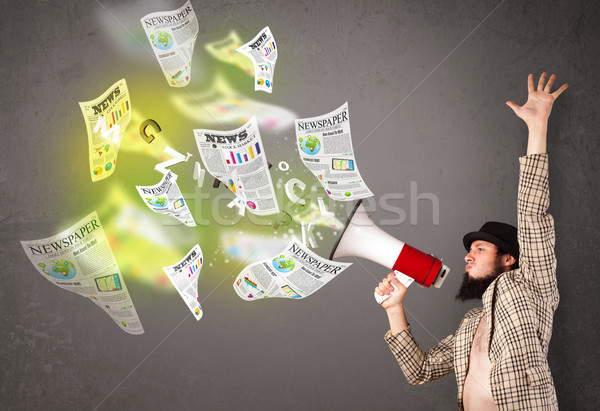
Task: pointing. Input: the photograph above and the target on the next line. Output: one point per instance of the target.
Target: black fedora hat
(502, 235)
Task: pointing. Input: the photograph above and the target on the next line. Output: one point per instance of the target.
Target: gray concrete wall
(426, 83)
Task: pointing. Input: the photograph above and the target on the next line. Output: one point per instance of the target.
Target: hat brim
(471, 237)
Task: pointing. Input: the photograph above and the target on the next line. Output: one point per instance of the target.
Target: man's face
(483, 266)
(482, 260)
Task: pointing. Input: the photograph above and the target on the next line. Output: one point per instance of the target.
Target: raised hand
(536, 110)
(539, 102)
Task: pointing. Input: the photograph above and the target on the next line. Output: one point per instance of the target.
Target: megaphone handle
(403, 278)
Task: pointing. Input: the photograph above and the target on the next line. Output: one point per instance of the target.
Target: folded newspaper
(80, 260)
(296, 272)
(237, 159)
(106, 119)
(166, 198)
(262, 50)
(184, 276)
(172, 35)
(325, 147)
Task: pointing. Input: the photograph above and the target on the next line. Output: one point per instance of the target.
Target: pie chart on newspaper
(231, 185)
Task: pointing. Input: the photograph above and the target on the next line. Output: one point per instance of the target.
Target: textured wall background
(426, 83)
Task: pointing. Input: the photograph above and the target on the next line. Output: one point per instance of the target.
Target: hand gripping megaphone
(362, 238)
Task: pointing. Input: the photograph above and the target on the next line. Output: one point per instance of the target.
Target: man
(499, 350)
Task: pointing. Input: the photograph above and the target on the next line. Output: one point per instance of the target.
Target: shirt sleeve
(536, 237)
(421, 366)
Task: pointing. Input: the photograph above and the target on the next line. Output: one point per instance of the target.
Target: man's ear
(508, 260)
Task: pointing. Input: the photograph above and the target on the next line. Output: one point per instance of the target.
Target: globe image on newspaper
(161, 40)
(310, 145)
(61, 269)
(160, 202)
(284, 264)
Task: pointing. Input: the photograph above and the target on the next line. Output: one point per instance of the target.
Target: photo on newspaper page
(225, 50)
(296, 272)
(262, 50)
(184, 276)
(80, 260)
(172, 36)
(237, 158)
(166, 198)
(325, 147)
(106, 119)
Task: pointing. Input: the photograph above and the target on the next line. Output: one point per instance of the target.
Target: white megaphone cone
(362, 238)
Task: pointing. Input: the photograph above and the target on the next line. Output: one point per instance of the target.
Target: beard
(473, 288)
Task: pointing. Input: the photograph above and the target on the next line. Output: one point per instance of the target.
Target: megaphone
(362, 238)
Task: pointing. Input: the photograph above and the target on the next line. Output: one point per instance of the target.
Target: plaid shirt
(519, 306)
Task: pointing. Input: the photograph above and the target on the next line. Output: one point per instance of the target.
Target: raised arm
(535, 226)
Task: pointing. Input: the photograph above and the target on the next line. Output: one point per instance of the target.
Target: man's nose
(468, 258)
